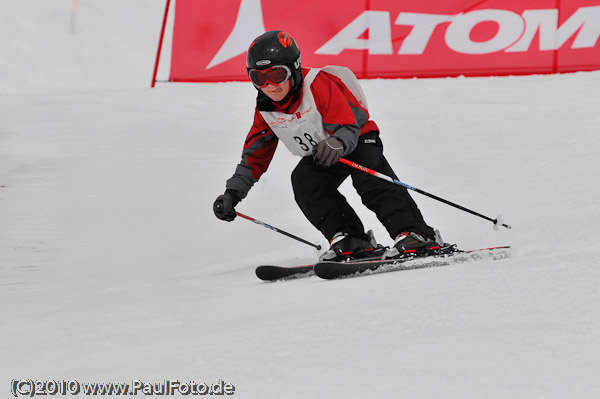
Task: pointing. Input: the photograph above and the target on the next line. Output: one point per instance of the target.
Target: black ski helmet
(275, 48)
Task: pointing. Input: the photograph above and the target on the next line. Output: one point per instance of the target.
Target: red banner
(391, 38)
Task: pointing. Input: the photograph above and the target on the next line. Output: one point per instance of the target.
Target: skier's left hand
(224, 205)
(328, 152)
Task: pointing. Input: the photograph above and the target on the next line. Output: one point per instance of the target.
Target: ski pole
(497, 222)
(268, 226)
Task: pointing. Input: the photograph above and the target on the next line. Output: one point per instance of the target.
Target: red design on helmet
(285, 39)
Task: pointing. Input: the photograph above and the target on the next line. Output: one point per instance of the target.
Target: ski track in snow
(113, 267)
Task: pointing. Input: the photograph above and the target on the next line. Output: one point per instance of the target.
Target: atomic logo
(249, 23)
(516, 33)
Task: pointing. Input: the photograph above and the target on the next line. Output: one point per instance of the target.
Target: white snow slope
(113, 267)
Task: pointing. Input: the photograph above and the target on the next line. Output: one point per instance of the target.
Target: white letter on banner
(380, 35)
(423, 27)
(457, 35)
(544, 20)
(590, 27)
(552, 37)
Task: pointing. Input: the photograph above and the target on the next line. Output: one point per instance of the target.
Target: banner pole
(73, 15)
(160, 41)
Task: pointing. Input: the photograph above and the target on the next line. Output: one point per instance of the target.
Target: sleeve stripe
(250, 138)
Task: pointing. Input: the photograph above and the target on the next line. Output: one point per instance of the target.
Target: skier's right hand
(328, 152)
(224, 205)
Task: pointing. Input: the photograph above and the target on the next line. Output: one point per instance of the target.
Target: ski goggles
(277, 75)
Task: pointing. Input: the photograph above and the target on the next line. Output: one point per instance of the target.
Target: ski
(272, 273)
(333, 270)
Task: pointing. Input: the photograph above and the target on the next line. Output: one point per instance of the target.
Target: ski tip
(264, 272)
(272, 273)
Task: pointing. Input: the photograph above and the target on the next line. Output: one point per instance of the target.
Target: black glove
(224, 206)
(328, 152)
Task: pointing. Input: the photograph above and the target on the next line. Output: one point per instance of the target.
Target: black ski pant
(316, 193)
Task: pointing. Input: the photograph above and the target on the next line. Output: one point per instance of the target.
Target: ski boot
(410, 244)
(345, 247)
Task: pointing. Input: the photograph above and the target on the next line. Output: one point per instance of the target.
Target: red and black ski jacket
(342, 116)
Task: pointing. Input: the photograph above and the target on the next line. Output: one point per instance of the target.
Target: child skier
(320, 114)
